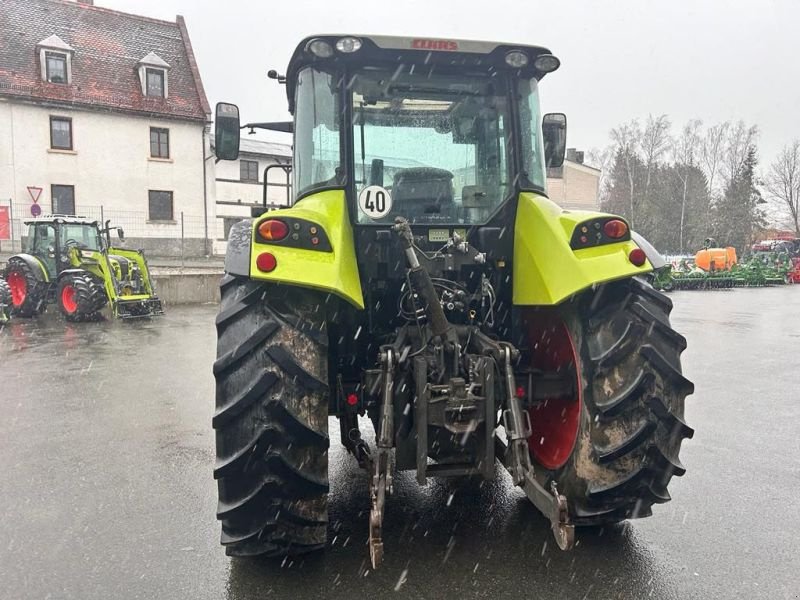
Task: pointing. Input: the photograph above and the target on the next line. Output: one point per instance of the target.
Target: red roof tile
(108, 47)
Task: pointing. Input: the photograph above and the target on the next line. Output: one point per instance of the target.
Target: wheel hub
(555, 421)
(19, 288)
(69, 299)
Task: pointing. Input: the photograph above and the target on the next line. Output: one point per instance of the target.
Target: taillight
(637, 257)
(266, 262)
(352, 399)
(615, 228)
(273, 230)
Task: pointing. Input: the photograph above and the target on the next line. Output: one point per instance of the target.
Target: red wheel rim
(555, 422)
(68, 299)
(19, 288)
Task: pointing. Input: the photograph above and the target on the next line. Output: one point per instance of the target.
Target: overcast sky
(712, 60)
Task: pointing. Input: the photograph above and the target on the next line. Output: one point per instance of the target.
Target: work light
(546, 63)
(516, 59)
(320, 48)
(348, 45)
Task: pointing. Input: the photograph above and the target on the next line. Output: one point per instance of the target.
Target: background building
(103, 114)
(574, 185)
(239, 184)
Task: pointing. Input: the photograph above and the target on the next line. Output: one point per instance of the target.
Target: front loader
(69, 261)
(423, 279)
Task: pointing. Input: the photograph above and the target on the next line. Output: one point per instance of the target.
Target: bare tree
(627, 142)
(783, 182)
(684, 150)
(602, 159)
(655, 142)
(740, 140)
(712, 149)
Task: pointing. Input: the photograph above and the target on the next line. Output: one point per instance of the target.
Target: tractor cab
(51, 238)
(438, 132)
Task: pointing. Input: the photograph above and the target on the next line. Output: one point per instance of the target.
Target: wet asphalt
(107, 453)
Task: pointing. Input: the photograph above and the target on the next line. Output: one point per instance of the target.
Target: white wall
(110, 165)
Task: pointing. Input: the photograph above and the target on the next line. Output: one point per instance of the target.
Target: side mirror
(554, 133)
(226, 131)
(120, 233)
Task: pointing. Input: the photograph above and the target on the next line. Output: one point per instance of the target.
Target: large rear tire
(613, 449)
(28, 294)
(80, 297)
(271, 419)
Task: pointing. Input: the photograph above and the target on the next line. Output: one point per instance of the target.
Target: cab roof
(61, 219)
(430, 52)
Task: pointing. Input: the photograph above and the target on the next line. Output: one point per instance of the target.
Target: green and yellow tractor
(69, 261)
(422, 278)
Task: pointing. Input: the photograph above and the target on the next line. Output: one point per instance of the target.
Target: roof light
(516, 59)
(546, 63)
(273, 230)
(319, 48)
(348, 44)
(615, 228)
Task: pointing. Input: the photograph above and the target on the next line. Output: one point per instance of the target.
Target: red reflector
(273, 230)
(521, 392)
(615, 228)
(266, 262)
(637, 257)
(352, 399)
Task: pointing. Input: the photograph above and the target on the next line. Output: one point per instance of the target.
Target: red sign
(5, 223)
(422, 44)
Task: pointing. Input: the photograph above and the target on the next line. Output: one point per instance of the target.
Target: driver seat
(425, 192)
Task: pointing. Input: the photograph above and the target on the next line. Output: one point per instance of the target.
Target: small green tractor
(422, 278)
(69, 261)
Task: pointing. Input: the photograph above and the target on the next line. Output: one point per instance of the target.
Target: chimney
(574, 155)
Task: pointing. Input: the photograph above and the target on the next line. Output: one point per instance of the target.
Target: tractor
(69, 261)
(423, 282)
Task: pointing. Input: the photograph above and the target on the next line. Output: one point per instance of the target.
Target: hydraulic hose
(421, 281)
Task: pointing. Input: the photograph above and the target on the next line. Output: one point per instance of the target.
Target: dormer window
(55, 56)
(153, 75)
(55, 65)
(155, 82)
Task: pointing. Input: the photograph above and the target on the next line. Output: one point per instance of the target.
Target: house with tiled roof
(103, 114)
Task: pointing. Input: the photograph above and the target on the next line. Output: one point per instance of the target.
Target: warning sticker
(375, 202)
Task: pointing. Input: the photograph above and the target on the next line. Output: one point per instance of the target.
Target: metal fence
(184, 236)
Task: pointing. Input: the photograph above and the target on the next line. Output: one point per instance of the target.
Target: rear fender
(547, 270)
(36, 266)
(328, 266)
(653, 255)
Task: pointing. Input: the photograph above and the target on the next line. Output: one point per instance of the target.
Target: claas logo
(421, 44)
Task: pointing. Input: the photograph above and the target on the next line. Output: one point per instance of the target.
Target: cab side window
(44, 240)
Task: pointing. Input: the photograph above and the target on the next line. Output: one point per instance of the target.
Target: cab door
(43, 246)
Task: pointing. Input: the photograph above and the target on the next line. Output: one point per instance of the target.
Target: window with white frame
(154, 76)
(154, 85)
(55, 67)
(55, 58)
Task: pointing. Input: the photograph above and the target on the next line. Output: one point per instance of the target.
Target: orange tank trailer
(716, 259)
